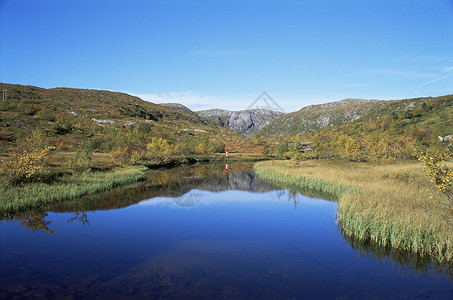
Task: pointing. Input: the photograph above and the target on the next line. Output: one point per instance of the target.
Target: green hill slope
(178, 108)
(74, 114)
(93, 103)
(314, 117)
(421, 118)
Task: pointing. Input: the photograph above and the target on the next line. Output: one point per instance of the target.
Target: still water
(203, 233)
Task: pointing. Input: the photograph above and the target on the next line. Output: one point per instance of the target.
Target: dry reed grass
(386, 203)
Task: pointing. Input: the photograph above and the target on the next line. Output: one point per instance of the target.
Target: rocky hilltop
(314, 117)
(178, 108)
(244, 121)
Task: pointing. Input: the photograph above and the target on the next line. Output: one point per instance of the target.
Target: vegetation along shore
(60, 144)
(382, 202)
(69, 187)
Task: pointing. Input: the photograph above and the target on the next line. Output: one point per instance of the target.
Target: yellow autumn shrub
(27, 163)
(159, 148)
(440, 175)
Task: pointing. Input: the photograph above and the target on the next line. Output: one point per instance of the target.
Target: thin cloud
(400, 73)
(404, 56)
(219, 52)
(412, 57)
(430, 58)
(356, 84)
(425, 83)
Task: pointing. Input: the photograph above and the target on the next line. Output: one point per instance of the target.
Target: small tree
(30, 159)
(159, 148)
(81, 161)
(435, 168)
(126, 155)
(27, 164)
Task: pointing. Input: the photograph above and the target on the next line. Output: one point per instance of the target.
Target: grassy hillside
(93, 130)
(178, 108)
(314, 117)
(70, 115)
(91, 103)
(422, 119)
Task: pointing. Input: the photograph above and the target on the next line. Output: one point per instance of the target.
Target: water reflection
(291, 196)
(406, 263)
(189, 199)
(188, 187)
(33, 221)
(79, 216)
(200, 269)
(184, 186)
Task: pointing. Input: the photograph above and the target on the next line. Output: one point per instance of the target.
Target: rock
(244, 121)
(102, 121)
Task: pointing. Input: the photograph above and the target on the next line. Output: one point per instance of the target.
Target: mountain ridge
(423, 119)
(74, 113)
(317, 116)
(244, 121)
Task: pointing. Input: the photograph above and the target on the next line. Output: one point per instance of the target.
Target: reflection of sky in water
(201, 197)
(233, 244)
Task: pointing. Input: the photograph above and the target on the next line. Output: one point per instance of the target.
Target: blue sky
(224, 54)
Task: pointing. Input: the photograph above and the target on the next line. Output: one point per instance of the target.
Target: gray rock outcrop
(244, 121)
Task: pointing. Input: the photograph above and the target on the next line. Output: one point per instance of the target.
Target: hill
(361, 129)
(244, 121)
(92, 103)
(178, 108)
(314, 117)
(424, 119)
(69, 115)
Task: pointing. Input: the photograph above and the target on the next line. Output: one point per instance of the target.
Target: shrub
(26, 164)
(441, 176)
(30, 159)
(159, 148)
(121, 154)
(80, 162)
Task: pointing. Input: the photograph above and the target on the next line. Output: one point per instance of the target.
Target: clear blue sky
(207, 54)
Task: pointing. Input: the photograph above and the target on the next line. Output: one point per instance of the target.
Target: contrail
(423, 84)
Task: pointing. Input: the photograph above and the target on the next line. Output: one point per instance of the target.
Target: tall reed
(386, 203)
(37, 194)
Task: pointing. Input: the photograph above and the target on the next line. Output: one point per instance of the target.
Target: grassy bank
(38, 194)
(385, 203)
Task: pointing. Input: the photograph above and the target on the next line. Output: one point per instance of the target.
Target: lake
(203, 233)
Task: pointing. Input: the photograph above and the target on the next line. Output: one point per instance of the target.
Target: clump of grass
(384, 203)
(68, 187)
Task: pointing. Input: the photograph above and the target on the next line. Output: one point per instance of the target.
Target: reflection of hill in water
(243, 181)
(182, 183)
(171, 183)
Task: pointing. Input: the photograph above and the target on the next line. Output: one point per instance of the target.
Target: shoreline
(382, 203)
(35, 195)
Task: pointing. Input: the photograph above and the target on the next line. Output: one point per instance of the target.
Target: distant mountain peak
(178, 108)
(324, 115)
(243, 121)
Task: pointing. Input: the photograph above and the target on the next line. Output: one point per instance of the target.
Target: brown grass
(386, 203)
